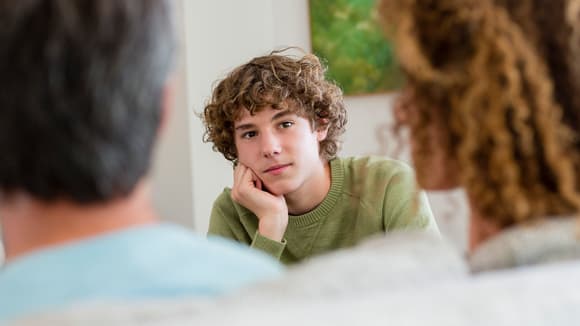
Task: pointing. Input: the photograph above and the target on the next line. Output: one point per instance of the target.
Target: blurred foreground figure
(84, 92)
(492, 105)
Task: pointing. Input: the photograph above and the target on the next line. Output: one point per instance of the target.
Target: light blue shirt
(154, 261)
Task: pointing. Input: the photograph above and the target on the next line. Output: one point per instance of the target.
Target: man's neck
(312, 193)
(29, 225)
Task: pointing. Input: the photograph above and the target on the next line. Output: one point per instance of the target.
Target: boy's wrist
(274, 248)
(273, 227)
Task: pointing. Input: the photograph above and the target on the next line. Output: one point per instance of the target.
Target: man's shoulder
(158, 261)
(144, 247)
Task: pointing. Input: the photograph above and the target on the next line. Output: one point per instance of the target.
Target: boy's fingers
(257, 181)
(239, 173)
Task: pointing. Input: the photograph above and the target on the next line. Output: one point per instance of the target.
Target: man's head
(492, 96)
(81, 86)
(279, 82)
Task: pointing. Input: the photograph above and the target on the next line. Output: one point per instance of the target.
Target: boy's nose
(270, 145)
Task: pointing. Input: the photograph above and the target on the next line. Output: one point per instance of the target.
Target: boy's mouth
(277, 169)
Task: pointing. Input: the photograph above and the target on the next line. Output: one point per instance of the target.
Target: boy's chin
(279, 189)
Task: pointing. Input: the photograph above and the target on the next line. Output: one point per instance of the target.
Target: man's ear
(167, 103)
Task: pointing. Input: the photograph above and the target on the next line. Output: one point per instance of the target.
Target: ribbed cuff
(271, 247)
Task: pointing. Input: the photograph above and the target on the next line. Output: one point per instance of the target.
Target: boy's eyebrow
(281, 114)
(275, 117)
(245, 126)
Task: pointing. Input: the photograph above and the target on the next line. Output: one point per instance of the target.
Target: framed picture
(347, 36)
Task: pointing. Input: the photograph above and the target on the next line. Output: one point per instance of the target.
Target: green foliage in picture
(348, 36)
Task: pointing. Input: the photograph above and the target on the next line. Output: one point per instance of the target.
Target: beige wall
(172, 168)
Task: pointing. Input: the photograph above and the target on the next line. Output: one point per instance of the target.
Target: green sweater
(367, 195)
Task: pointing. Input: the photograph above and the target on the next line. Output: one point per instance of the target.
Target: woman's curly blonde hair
(501, 78)
(282, 82)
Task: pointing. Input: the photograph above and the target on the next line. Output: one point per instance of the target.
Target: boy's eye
(249, 134)
(286, 124)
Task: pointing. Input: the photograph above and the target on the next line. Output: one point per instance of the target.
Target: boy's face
(280, 147)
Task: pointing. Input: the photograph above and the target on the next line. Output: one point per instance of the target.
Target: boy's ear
(321, 133)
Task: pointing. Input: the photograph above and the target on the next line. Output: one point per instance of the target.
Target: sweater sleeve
(269, 246)
(405, 207)
(225, 221)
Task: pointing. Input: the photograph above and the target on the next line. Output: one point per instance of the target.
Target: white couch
(400, 280)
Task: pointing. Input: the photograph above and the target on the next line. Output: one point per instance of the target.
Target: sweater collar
(329, 202)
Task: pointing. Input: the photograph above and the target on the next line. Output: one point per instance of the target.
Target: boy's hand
(271, 210)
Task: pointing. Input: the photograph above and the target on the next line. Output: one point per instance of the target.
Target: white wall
(172, 167)
(220, 35)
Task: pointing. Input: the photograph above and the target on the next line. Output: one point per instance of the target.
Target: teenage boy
(279, 121)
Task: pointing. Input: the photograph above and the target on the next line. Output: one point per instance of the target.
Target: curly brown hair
(499, 78)
(282, 82)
